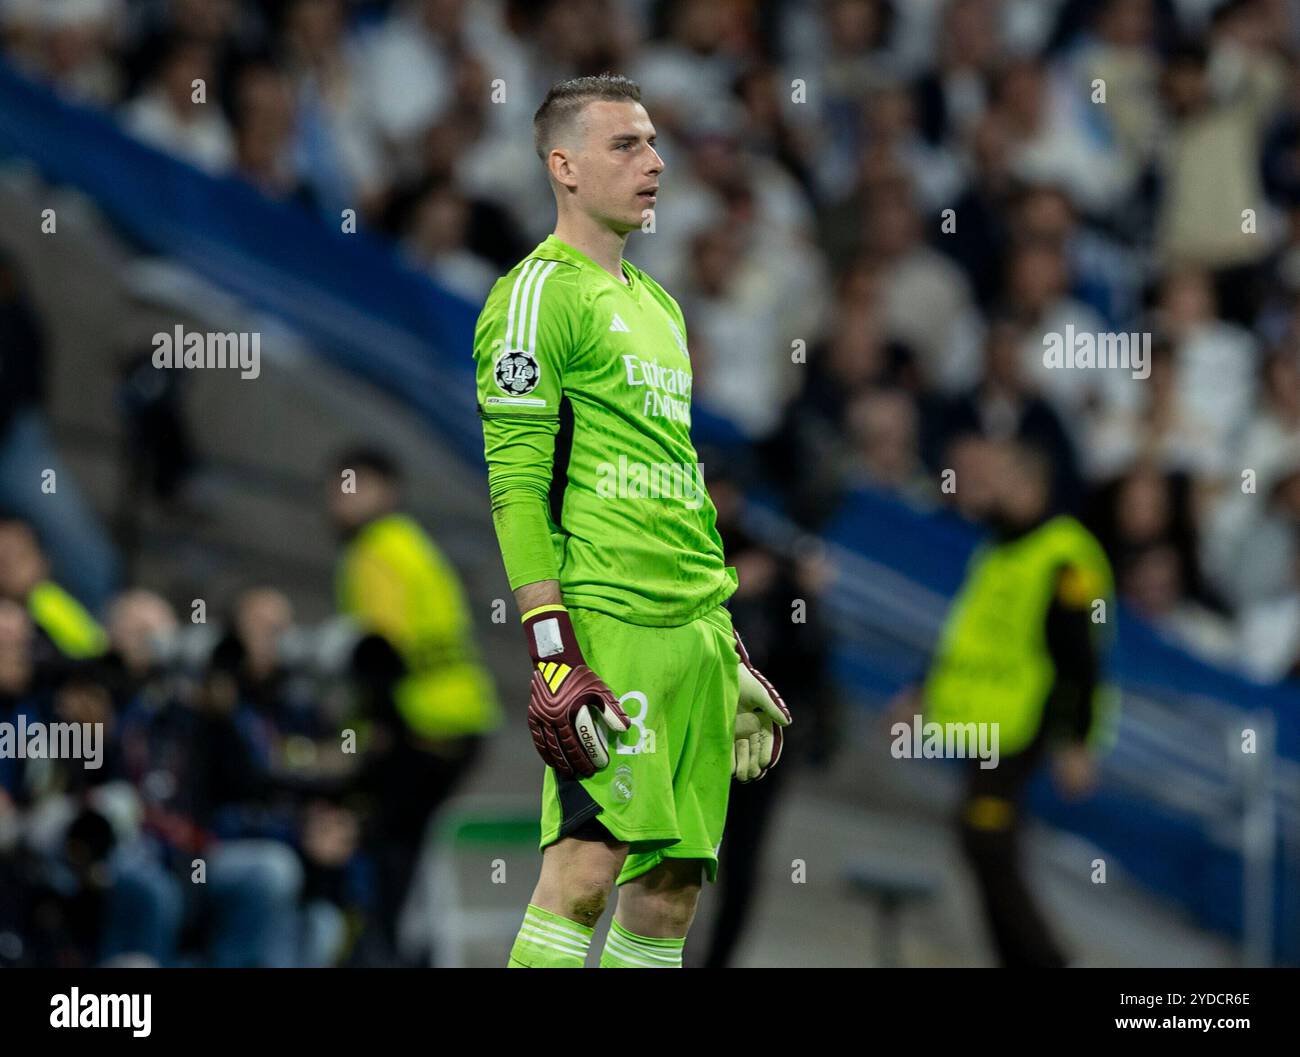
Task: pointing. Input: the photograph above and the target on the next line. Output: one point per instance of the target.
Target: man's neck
(598, 242)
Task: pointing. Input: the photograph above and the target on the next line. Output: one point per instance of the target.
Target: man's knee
(662, 902)
(577, 877)
(666, 913)
(585, 895)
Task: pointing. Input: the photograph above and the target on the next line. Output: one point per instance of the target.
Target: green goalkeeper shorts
(665, 789)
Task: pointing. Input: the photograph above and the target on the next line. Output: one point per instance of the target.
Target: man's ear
(560, 165)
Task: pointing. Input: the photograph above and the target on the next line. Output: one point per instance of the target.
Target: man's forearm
(539, 593)
(1074, 657)
(524, 533)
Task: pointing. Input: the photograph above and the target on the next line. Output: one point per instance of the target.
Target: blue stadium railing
(1179, 812)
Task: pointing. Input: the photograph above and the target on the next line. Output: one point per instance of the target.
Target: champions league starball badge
(517, 373)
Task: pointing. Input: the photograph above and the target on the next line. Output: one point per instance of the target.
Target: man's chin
(634, 221)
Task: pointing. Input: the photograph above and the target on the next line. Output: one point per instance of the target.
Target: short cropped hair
(372, 460)
(1031, 458)
(566, 99)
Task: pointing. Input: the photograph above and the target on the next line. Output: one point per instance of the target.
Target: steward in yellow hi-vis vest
(1018, 670)
(393, 581)
(425, 719)
(995, 659)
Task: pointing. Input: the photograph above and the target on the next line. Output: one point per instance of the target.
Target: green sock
(627, 950)
(549, 941)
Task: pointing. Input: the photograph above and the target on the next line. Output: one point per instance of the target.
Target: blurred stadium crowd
(1127, 166)
(258, 793)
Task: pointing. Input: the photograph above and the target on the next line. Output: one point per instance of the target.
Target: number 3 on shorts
(645, 737)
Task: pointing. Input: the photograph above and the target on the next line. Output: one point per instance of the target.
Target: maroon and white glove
(569, 706)
(760, 715)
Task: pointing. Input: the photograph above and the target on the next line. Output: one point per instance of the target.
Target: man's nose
(656, 164)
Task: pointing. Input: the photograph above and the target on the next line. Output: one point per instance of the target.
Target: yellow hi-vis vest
(71, 628)
(992, 664)
(394, 581)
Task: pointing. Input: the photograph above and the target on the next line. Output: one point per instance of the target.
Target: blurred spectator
(1277, 423)
(336, 149)
(1215, 366)
(697, 61)
(1152, 584)
(953, 93)
(1149, 423)
(72, 43)
(1104, 274)
(487, 151)
(1218, 100)
(1191, 411)
(64, 624)
(1121, 53)
(139, 623)
(741, 368)
(1269, 641)
(850, 47)
(280, 728)
(170, 115)
(769, 130)
(1002, 407)
(1281, 162)
(1046, 118)
(492, 232)
(1038, 299)
(437, 243)
(804, 455)
(927, 302)
(892, 132)
(980, 238)
(1250, 535)
(406, 64)
(885, 452)
(1148, 507)
(72, 825)
(265, 126)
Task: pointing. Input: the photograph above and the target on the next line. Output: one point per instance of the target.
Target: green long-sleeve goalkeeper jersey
(584, 389)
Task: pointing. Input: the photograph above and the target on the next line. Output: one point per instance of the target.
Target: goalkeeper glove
(760, 715)
(568, 704)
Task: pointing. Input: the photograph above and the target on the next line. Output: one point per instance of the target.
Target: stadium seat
(485, 826)
(891, 885)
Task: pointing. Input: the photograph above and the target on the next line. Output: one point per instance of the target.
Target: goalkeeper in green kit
(643, 703)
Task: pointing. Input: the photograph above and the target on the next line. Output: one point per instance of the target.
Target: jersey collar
(632, 286)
